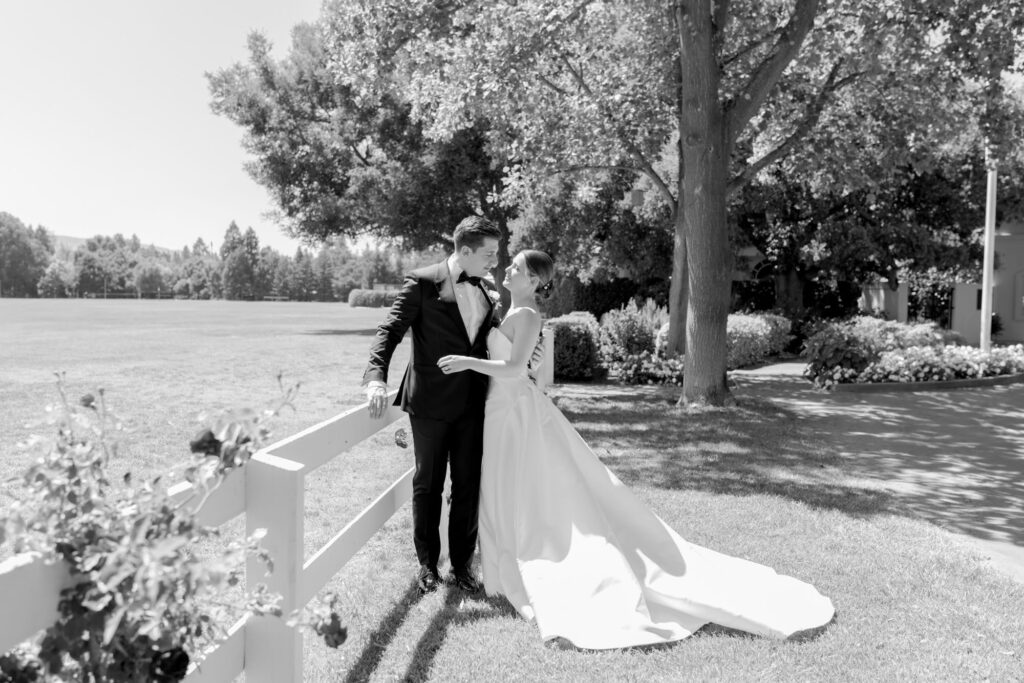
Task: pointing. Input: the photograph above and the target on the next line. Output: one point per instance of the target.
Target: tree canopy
(695, 97)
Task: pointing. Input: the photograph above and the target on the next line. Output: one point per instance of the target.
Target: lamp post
(990, 250)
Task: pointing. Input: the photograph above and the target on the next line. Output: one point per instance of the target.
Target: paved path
(955, 458)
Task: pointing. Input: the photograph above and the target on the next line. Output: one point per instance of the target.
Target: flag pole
(990, 248)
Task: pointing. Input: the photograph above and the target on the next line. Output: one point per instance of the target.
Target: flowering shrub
(142, 603)
(929, 363)
(372, 298)
(646, 368)
(839, 351)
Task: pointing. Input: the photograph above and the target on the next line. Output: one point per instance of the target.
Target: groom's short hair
(472, 231)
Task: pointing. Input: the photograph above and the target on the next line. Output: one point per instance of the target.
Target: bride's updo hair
(540, 265)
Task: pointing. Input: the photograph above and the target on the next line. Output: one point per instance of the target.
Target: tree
(336, 167)
(152, 279)
(324, 276)
(283, 282)
(241, 263)
(24, 255)
(694, 96)
(59, 280)
(232, 241)
(104, 265)
(303, 278)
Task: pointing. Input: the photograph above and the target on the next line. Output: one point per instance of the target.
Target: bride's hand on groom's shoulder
(453, 364)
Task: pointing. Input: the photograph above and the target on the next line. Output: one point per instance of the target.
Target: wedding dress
(574, 550)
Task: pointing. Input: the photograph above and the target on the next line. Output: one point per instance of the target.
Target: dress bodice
(499, 347)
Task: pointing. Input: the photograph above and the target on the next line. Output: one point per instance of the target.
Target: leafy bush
(142, 603)
(625, 332)
(930, 363)
(839, 351)
(750, 338)
(372, 298)
(835, 355)
(575, 346)
(647, 368)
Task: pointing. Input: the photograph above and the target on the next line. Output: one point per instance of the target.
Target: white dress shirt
(470, 299)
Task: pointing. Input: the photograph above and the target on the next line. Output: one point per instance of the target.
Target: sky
(105, 120)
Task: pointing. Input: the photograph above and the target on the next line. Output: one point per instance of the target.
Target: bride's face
(517, 277)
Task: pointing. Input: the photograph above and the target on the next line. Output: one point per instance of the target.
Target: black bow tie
(471, 279)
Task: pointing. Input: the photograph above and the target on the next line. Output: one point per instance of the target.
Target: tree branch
(548, 82)
(595, 167)
(720, 19)
(807, 122)
(767, 74)
(751, 46)
(355, 150)
(631, 147)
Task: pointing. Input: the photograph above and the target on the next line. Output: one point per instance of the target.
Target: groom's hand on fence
(377, 397)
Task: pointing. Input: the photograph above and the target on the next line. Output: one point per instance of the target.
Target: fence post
(275, 501)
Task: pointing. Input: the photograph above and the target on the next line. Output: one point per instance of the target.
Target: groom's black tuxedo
(445, 411)
(437, 331)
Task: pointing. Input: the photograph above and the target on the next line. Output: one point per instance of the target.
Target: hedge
(750, 338)
(372, 298)
(575, 346)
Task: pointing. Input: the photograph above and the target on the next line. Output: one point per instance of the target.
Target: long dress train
(573, 549)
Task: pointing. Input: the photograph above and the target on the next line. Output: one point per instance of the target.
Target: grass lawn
(754, 481)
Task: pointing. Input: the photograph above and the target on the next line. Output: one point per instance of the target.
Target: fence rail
(269, 491)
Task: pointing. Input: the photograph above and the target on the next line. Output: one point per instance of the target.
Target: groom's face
(479, 261)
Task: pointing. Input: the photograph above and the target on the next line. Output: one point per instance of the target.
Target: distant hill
(72, 243)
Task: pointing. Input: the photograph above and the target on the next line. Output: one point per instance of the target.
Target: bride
(570, 546)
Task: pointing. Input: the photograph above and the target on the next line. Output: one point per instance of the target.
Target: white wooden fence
(269, 491)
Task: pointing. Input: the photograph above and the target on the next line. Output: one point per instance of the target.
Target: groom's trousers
(437, 443)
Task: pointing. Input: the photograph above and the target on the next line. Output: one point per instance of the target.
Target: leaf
(98, 603)
(113, 622)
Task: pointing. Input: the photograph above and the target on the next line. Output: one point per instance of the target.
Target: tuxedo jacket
(437, 331)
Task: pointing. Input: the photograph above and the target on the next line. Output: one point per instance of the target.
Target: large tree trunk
(703, 208)
(677, 304)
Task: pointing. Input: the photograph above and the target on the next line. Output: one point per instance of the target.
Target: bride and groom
(560, 537)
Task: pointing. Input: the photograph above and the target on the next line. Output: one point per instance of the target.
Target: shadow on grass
(954, 458)
(450, 615)
(377, 643)
(755, 447)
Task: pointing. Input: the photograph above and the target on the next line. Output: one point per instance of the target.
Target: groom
(450, 312)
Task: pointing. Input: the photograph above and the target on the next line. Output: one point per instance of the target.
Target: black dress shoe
(428, 579)
(466, 581)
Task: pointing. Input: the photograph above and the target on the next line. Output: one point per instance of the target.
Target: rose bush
(143, 604)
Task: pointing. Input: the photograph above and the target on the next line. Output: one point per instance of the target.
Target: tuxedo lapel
(489, 315)
(450, 305)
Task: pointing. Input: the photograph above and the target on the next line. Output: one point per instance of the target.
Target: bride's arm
(525, 325)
